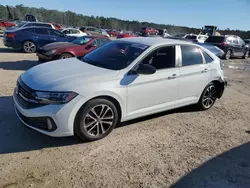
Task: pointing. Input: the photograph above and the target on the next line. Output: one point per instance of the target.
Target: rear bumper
(12, 43)
(222, 87)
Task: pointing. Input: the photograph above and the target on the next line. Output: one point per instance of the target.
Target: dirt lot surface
(181, 148)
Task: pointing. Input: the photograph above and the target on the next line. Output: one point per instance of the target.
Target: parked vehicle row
(77, 48)
(121, 80)
(29, 39)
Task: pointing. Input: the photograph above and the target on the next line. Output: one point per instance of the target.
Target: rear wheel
(208, 97)
(246, 55)
(29, 47)
(228, 54)
(66, 56)
(96, 119)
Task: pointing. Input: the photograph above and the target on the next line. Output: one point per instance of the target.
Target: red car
(7, 24)
(127, 35)
(77, 48)
(57, 26)
(114, 32)
(149, 31)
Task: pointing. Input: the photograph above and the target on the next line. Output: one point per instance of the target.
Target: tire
(90, 126)
(208, 97)
(65, 56)
(29, 47)
(246, 55)
(227, 55)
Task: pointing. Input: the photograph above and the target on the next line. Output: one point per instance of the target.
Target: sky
(233, 14)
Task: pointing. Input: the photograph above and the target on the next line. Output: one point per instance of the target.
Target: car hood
(57, 45)
(65, 75)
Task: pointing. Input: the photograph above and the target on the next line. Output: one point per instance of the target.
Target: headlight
(54, 97)
(50, 52)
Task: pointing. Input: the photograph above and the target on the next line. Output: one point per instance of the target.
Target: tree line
(73, 19)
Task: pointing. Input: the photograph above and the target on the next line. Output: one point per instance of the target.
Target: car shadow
(228, 170)
(10, 50)
(15, 137)
(18, 65)
(185, 109)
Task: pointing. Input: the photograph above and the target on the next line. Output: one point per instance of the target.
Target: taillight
(11, 35)
(224, 44)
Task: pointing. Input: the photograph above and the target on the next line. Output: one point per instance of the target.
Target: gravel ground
(181, 148)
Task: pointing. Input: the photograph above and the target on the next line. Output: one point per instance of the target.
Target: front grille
(38, 122)
(24, 96)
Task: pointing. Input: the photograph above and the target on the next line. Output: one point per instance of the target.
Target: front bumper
(44, 57)
(61, 117)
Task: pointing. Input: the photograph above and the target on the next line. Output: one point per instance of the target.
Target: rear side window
(215, 39)
(56, 33)
(191, 56)
(207, 57)
(30, 30)
(41, 31)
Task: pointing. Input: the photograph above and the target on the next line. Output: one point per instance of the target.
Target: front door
(194, 75)
(156, 92)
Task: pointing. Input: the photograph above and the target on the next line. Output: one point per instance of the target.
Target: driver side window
(161, 58)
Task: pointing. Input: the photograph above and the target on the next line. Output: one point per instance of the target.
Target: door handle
(205, 70)
(172, 77)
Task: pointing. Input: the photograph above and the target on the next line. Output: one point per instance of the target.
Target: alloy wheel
(228, 54)
(209, 97)
(98, 120)
(65, 56)
(29, 47)
(246, 54)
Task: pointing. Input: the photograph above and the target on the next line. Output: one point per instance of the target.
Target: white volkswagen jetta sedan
(119, 81)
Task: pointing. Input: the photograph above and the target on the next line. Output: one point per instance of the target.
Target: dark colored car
(233, 46)
(146, 31)
(217, 51)
(77, 48)
(247, 41)
(31, 38)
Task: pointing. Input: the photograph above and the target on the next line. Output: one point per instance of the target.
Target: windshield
(81, 40)
(115, 55)
(21, 24)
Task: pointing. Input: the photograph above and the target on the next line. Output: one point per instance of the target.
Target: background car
(233, 46)
(197, 38)
(77, 48)
(104, 33)
(181, 35)
(217, 51)
(37, 24)
(114, 32)
(94, 31)
(146, 31)
(29, 39)
(247, 41)
(73, 32)
(127, 34)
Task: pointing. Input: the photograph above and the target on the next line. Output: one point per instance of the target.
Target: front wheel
(227, 55)
(29, 47)
(96, 119)
(65, 56)
(208, 97)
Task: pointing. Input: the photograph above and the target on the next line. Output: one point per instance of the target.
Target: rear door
(57, 36)
(194, 75)
(243, 46)
(42, 36)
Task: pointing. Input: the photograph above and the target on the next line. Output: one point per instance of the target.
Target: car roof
(154, 41)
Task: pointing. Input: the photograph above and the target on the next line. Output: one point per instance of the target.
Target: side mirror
(145, 69)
